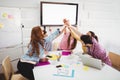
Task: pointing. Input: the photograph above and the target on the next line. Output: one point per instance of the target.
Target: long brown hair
(36, 39)
(73, 45)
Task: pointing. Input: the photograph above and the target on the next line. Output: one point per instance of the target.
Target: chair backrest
(115, 59)
(7, 68)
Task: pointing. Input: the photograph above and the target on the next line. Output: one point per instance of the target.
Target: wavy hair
(37, 38)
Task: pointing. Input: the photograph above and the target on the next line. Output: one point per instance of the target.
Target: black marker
(58, 66)
(49, 56)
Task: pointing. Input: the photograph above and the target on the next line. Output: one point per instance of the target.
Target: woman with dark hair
(36, 51)
(94, 48)
(92, 34)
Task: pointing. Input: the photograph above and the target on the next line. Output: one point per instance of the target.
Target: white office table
(81, 72)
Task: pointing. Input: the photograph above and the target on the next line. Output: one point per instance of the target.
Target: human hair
(86, 39)
(36, 39)
(73, 45)
(93, 35)
(44, 31)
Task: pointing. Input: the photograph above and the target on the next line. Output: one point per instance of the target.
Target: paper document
(64, 72)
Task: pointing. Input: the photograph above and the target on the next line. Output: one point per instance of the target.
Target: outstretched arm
(55, 34)
(75, 33)
(63, 29)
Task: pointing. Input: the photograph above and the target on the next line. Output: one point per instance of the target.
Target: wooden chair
(115, 59)
(9, 72)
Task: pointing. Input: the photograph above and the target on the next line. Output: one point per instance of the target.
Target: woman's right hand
(44, 60)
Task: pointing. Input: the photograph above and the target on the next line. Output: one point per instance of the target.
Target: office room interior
(99, 16)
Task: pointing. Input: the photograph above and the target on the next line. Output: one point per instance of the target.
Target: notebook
(92, 62)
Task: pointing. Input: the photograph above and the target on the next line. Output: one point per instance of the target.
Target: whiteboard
(10, 27)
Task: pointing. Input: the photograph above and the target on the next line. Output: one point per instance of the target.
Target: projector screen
(52, 13)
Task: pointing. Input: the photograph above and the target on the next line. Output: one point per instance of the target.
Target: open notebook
(92, 62)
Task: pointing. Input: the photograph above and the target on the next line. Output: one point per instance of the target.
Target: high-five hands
(66, 22)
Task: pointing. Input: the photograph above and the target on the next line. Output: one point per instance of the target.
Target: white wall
(103, 17)
(100, 16)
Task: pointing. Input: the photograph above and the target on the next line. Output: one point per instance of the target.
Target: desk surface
(81, 72)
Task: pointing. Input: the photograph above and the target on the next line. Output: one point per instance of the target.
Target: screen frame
(59, 3)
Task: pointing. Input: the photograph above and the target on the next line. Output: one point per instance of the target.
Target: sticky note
(4, 15)
(54, 57)
(85, 68)
(10, 16)
(1, 25)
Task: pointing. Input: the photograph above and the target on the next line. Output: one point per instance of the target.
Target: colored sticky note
(54, 57)
(85, 68)
(10, 16)
(4, 15)
(1, 25)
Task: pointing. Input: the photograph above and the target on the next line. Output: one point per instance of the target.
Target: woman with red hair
(36, 51)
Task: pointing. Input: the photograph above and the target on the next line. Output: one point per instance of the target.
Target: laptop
(92, 62)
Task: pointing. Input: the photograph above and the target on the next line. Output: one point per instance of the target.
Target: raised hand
(66, 22)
